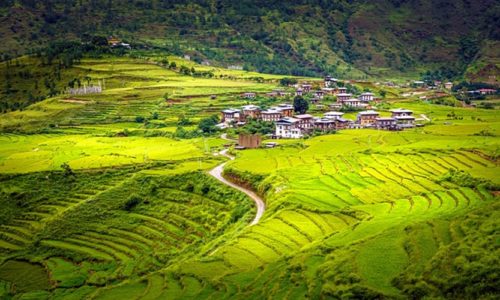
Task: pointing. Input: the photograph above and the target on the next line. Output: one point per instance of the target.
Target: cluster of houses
(289, 125)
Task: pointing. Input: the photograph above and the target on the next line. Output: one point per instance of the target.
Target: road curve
(217, 174)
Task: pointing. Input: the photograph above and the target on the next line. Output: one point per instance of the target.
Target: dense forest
(301, 37)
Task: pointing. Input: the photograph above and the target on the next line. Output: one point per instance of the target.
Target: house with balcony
(367, 118)
(288, 128)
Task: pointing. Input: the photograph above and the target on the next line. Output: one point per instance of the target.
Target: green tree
(300, 105)
(207, 125)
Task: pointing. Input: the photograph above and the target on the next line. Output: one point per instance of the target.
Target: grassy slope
(347, 213)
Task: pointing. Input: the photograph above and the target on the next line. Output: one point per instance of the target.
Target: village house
(367, 118)
(366, 97)
(330, 81)
(335, 106)
(342, 123)
(251, 111)
(343, 96)
(270, 115)
(287, 128)
(319, 94)
(324, 124)
(307, 88)
(341, 90)
(385, 123)
(448, 85)
(353, 102)
(333, 115)
(249, 95)
(404, 117)
(487, 91)
(314, 100)
(299, 92)
(231, 115)
(328, 91)
(286, 109)
(305, 121)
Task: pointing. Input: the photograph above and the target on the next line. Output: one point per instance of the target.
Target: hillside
(355, 39)
(108, 195)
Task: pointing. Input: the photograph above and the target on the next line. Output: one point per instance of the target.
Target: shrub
(131, 202)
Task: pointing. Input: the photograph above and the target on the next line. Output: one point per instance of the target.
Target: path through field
(217, 174)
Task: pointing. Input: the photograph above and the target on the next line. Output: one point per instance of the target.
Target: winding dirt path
(217, 174)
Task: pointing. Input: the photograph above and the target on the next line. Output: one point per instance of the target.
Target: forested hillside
(358, 39)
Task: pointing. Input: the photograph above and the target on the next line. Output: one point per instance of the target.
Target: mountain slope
(344, 38)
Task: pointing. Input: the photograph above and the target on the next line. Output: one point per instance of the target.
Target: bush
(132, 202)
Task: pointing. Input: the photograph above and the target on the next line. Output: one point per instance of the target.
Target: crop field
(98, 203)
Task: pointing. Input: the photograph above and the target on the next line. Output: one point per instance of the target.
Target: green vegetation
(107, 195)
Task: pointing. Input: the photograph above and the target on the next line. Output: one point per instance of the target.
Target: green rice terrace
(109, 196)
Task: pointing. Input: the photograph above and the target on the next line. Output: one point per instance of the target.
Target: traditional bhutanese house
(251, 111)
(270, 115)
(400, 112)
(335, 106)
(299, 92)
(366, 97)
(314, 100)
(328, 91)
(353, 102)
(306, 88)
(333, 115)
(385, 123)
(342, 123)
(487, 91)
(231, 115)
(341, 90)
(319, 94)
(448, 85)
(286, 109)
(305, 121)
(272, 94)
(405, 121)
(343, 96)
(324, 124)
(328, 81)
(249, 95)
(287, 128)
(367, 117)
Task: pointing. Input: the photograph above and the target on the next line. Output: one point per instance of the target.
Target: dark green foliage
(463, 178)
(300, 105)
(288, 81)
(207, 125)
(257, 127)
(131, 202)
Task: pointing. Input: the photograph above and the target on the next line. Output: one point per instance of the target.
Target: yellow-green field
(133, 214)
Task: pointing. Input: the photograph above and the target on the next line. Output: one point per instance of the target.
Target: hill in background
(357, 39)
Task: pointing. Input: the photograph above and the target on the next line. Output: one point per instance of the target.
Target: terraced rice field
(356, 214)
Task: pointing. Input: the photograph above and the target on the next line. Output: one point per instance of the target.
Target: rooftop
(368, 112)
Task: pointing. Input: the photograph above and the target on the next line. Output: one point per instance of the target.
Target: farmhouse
(366, 97)
(367, 117)
(342, 123)
(353, 102)
(270, 115)
(251, 111)
(329, 81)
(400, 112)
(305, 121)
(328, 91)
(286, 109)
(333, 115)
(448, 85)
(288, 128)
(341, 90)
(335, 106)
(231, 115)
(306, 88)
(299, 92)
(319, 94)
(343, 96)
(324, 124)
(249, 95)
(385, 123)
(487, 91)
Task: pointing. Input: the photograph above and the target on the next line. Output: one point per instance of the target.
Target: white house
(366, 97)
(288, 128)
(333, 115)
